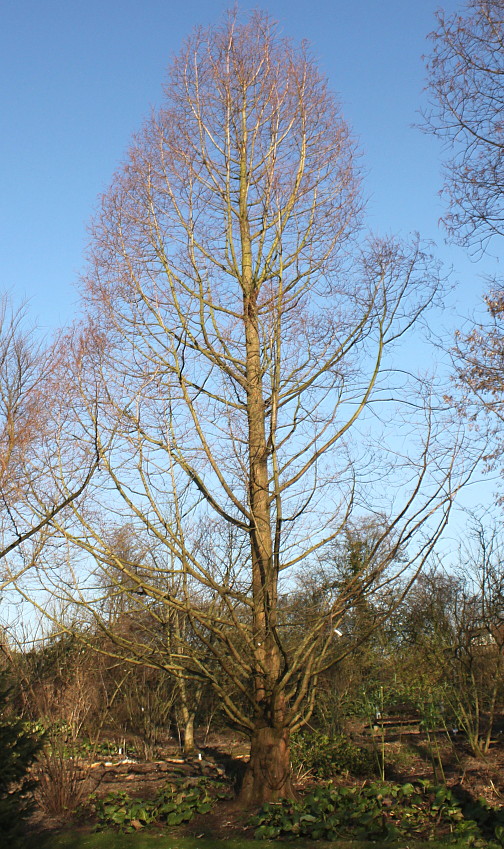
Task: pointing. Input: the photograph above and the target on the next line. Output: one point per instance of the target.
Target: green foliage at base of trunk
(176, 803)
(379, 811)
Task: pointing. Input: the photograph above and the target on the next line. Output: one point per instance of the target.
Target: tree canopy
(233, 376)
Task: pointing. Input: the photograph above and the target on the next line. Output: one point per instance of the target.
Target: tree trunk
(188, 722)
(185, 717)
(268, 774)
(186, 725)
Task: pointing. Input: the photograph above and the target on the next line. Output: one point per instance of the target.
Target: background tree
(477, 358)
(451, 638)
(466, 68)
(23, 419)
(232, 372)
(28, 495)
(363, 642)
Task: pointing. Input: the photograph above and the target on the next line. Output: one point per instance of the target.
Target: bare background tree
(30, 382)
(466, 69)
(233, 375)
(450, 646)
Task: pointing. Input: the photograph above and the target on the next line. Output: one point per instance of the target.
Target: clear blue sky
(77, 77)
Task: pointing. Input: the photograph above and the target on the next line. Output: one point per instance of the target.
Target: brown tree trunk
(185, 718)
(188, 732)
(268, 774)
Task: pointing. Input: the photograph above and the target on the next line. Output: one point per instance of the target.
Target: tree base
(268, 774)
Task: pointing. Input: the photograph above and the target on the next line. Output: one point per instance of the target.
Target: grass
(153, 839)
(160, 840)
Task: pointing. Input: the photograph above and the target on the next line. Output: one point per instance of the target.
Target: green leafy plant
(176, 803)
(324, 756)
(379, 811)
(104, 749)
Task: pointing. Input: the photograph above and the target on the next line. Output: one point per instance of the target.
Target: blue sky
(78, 77)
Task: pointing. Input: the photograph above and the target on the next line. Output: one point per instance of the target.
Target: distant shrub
(325, 756)
(64, 781)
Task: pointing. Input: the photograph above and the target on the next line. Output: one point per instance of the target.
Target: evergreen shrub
(326, 756)
(19, 746)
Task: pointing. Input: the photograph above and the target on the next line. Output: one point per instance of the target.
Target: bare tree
(466, 68)
(29, 499)
(477, 358)
(451, 635)
(233, 377)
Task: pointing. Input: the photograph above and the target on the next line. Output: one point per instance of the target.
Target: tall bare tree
(232, 374)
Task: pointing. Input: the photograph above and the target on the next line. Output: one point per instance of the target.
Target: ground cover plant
(186, 797)
(176, 803)
(396, 723)
(380, 811)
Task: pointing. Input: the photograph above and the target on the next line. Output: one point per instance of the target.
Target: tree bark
(188, 732)
(186, 718)
(268, 774)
